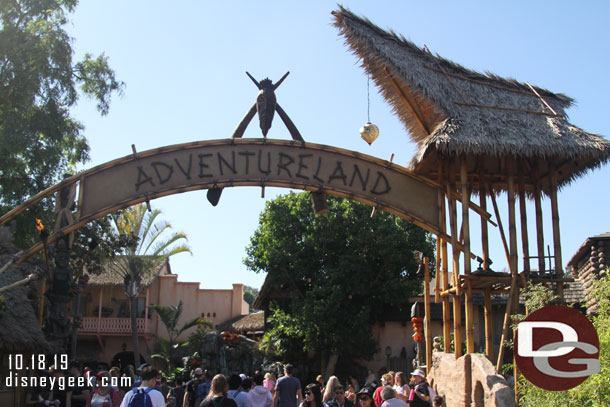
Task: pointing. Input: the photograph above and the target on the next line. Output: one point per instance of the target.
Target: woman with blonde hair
(217, 397)
(329, 392)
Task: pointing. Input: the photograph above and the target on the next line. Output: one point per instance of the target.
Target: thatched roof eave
(454, 111)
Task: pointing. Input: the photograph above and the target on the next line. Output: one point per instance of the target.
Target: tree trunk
(330, 365)
(134, 332)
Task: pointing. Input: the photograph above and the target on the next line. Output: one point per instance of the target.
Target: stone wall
(470, 381)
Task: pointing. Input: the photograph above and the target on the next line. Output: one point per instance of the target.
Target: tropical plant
(151, 247)
(170, 317)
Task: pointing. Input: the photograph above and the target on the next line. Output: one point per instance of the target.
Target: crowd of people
(148, 387)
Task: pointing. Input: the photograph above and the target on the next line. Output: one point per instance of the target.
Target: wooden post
(146, 311)
(506, 325)
(484, 229)
(457, 299)
(489, 347)
(512, 229)
(437, 281)
(523, 213)
(99, 310)
(539, 226)
(43, 288)
(444, 268)
(427, 315)
(556, 234)
(466, 243)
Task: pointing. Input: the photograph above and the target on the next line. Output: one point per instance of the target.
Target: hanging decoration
(369, 132)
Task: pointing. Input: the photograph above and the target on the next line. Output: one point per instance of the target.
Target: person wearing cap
(190, 394)
(364, 398)
(287, 389)
(386, 380)
(420, 396)
(388, 394)
(104, 394)
(204, 388)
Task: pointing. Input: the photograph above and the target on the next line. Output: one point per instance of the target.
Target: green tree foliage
(170, 317)
(342, 269)
(250, 294)
(593, 392)
(39, 83)
(151, 246)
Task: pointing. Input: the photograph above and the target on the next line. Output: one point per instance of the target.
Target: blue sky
(184, 66)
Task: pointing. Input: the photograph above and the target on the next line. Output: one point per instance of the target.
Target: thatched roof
(450, 110)
(244, 323)
(20, 329)
(111, 275)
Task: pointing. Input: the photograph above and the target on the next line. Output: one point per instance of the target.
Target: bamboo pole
(539, 225)
(523, 213)
(489, 348)
(427, 315)
(465, 190)
(457, 300)
(501, 228)
(556, 233)
(512, 228)
(437, 279)
(506, 324)
(484, 228)
(444, 268)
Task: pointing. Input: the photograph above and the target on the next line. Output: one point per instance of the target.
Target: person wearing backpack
(145, 395)
(217, 396)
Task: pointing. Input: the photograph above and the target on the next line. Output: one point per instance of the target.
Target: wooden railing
(112, 325)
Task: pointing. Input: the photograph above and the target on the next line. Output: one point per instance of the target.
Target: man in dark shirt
(339, 399)
(78, 395)
(287, 390)
(422, 395)
(191, 388)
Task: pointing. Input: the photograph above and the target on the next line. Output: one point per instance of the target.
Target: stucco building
(106, 327)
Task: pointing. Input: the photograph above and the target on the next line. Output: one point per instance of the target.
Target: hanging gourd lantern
(369, 132)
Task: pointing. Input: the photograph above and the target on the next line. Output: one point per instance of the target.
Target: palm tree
(151, 246)
(169, 317)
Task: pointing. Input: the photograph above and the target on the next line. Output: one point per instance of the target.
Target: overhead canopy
(449, 110)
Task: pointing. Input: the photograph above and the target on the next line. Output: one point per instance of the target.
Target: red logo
(557, 348)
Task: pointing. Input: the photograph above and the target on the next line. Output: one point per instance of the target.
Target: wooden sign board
(258, 162)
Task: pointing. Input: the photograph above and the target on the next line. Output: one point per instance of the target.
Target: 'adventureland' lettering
(299, 167)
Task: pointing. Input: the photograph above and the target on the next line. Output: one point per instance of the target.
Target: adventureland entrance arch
(216, 164)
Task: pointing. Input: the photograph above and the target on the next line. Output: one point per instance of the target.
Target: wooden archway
(248, 162)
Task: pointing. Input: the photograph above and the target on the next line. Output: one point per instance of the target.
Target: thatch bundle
(19, 327)
(450, 110)
(244, 323)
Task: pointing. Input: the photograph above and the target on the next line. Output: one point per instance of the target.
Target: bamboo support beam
(465, 190)
(539, 225)
(457, 300)
(444, 268)
(484, 228)
(489, 348)
(512, 228)
(556, 233)
(506, 324)
(501, 228)
(428, 330)
(523, 213)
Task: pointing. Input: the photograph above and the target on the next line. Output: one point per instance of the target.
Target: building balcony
(113, 326)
